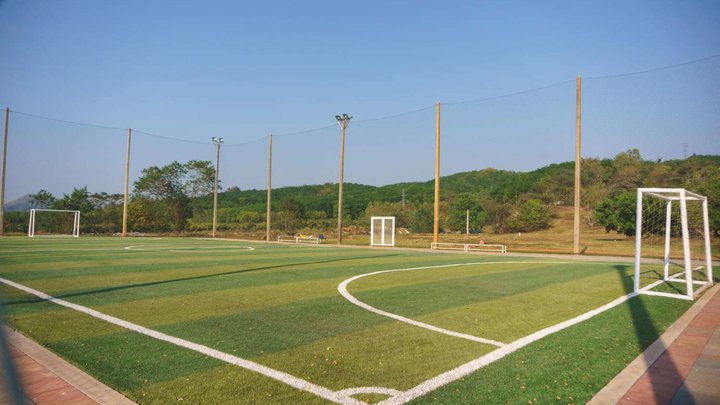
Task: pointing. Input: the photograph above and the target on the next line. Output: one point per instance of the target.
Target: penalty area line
(470, 367)
(342, 289)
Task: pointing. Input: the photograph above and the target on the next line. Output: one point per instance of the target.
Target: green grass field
(278, 306)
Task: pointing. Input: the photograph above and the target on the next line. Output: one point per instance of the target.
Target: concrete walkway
(48, 379)
(681, 367)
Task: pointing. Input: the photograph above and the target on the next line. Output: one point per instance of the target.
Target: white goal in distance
(672, 243)
(54, 223)
(382, 231)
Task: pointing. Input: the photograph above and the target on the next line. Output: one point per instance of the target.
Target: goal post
(382, 231)
(47, 222)
(672, 243)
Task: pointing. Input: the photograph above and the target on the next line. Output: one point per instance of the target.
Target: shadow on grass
(176, 280)
(10, 390)
(646, 334)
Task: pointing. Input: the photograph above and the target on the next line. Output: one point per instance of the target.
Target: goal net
(672, 243)
(382, 231)
(46, 222)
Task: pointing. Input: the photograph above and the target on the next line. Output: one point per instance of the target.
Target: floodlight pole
(269, 188)
(436, 217)
(578, 185)
(2, 181)
(343, 121)
(217, 142)
(127, 180)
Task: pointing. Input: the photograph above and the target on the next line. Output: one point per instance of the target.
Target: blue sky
(236, 69)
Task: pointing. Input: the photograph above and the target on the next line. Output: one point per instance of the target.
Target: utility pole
(576, 224)
(127, 181)
(342, 121)
(467, 222)
(217, 142)
(403, 197)
(269, 190)
(2, 182)
(436, 219)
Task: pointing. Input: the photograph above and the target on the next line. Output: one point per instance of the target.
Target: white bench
(299, 239)
(468, 247)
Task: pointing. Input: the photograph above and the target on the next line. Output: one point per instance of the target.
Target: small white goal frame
(682, 196)
(76, 222)
(386, 223)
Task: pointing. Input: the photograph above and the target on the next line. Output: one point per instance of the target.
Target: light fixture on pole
(217, 141)
(343, 122)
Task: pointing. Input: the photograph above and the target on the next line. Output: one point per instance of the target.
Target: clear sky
(240, 70)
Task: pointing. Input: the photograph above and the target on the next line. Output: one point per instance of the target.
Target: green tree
(618, 213)
(42, 199)
(175, 185)
(531, 216)
(458, 213)
(78, 199)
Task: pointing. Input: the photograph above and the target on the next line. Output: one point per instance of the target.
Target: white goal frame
(76, 222)
(384, 223)
(682, 196)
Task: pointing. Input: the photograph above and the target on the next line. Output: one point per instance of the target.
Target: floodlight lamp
(221, 140)
(214, 138)
(339, 118)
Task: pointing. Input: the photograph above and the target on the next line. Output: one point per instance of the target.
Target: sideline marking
(169, 248)
(345, 396)
(222, 356)
(459, 372)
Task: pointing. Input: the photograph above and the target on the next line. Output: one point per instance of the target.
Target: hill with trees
(178, 198)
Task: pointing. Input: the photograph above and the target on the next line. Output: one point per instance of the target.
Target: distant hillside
(22, 204)
(552, 184)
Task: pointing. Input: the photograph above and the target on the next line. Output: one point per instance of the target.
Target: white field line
(169, 248)
(474, 365)
(288, 379)
(343, 396)
(342, 289)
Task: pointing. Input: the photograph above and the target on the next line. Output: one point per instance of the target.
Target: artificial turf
(278, 305)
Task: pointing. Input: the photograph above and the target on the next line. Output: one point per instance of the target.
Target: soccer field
(220, 321)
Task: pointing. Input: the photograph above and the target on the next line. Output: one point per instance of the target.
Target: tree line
(177, 198)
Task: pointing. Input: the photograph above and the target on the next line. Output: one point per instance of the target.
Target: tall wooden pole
(343, 124)
(215, 191)
(576, 225)
(269, 188)
(436, 219)
(2, 182)
(127, 182)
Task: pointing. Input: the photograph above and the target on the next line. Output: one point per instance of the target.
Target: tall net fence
(506, 163)
(62, 165)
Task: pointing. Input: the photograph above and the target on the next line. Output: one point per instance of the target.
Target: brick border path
(48, 379)
(681, 367)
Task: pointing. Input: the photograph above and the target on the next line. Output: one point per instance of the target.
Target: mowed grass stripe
(512, 317)
(175, 309)
(133, 262)
(422, 298)
(569, 366)
(386, 352)
(393, 355)
(395, 279)
(187, 273)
